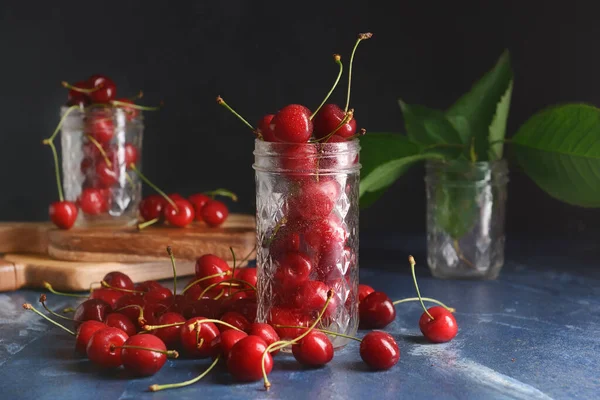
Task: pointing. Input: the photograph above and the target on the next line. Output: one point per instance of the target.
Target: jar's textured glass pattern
(307, 235)
(465, 218)
(97, 146)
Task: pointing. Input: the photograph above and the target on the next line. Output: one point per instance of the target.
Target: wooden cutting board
(72, 259)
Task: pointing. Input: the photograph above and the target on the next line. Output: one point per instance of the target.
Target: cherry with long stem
(412, 263)
(170, 253)
(338, 60)
(152, 185)
(156, 388)
(222, 102)
(42, 300)
(234, 266)
(451, 309)
(347, 118)
(361, 37)
(28, 306)
(48, 286)
(222, 192)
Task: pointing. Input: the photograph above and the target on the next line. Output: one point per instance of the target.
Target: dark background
(261, 56)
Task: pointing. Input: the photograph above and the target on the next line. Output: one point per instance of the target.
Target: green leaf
(384, 158)
(456, 209)
(559, 149)
(473, 113)
(498, 126)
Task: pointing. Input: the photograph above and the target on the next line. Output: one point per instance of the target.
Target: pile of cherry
(138, 326)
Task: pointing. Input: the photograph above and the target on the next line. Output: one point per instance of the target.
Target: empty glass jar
(307, 235)
(465, 218)
(98, 146)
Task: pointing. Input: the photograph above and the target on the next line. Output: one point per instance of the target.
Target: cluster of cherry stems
(101, 165)
(138, 326)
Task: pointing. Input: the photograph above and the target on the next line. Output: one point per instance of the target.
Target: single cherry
(106, 89)
(198, 200)
(101, 348)
(129, 155)
(110, 296)
(293, 269)
(265, 128)
(143, 354)
(222, 344)
(93, 201)
(329, 118)
(265, 331)
(107, 175)
(179, 214)
(171, 335)
(91, 309)
(157, 294)
(244, 362)
(235, 319)
(76, 97)
(376, 311)
(292, 124)
(121, 321)
(197, 337)
(247, 274)
(364, 291)
(151, 207)
(214, 213)
(288, 317)
(299, 160)
(147, 286)
(100, 126)
(311, 297)
(442, 328)
(118, 280)
(210, 264)
(63, 214)
(315, 199)
(379, 350)
(85, 332)
(314, 349)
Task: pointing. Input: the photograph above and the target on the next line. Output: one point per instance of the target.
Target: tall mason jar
(465, 218)
(98, 146)
(307, 235)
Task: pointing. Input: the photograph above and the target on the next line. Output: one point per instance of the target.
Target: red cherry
(131, 299)
(376, 311)
(93, 202)
(299, 160)
(178, 304)
(328, 119)
(119, 280)
(101, 347)
(247, 274)
(223, 343)
(293, 269)
(129, 155)
(158, 294)
(87, 165)
(288, 316)
(91, 309)
(63, 214)
(198, 200)
(314, 349)
(442, 328)
(235, 319)
(245, 359)
(311, 297)
(315, 200)
(292, 124)
(286, 240)
(264, 331)
(108, 295)
(208, 308)
(190, 339)
(379, 350)
(100, 126)
(151, 207)
(214, 213)
(118, 320)
(77, 98)
(179, 216)
(107, 175)
(141, 362)
(170, 335)
(266, 128)
(147, 286)
(153, 311)
(106, 89)
(85, 332)
(210, 264)
(364, 291)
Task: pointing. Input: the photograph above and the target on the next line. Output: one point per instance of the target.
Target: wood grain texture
(24, 237)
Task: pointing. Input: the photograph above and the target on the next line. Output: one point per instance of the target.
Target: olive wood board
(128, 244)
(32, 270)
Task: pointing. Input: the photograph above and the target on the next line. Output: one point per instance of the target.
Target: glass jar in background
(307, 235)
(98, 145)
(465, 218)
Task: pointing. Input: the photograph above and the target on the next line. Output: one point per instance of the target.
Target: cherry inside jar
(307, 235)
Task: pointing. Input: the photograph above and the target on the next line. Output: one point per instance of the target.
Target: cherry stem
(347, 118)
(135, 106)
(230, 281)
(234, 265)
(28, 306)
(222, 192)
(225, 273)
(100, 149)
(153, 186)
(141, 320)
(360, 133)
(412, 262)
(337, 59)
(43, 301)
(106, 285)
(61, 197)
(318, 329)
(146, 224)
(278, 226)
(222, 102)
(361, 37)
(168, 353)
(153, 327)
(472, 153)
(67, 85)
(221, 294)
(69, 310)
(451, 309)
(156, 388)
(248, 255)
(51, 290)
(170, 253)
(460, 254)
(196, 324)
(280, 344)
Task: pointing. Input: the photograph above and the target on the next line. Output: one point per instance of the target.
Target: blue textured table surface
(534, 333)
